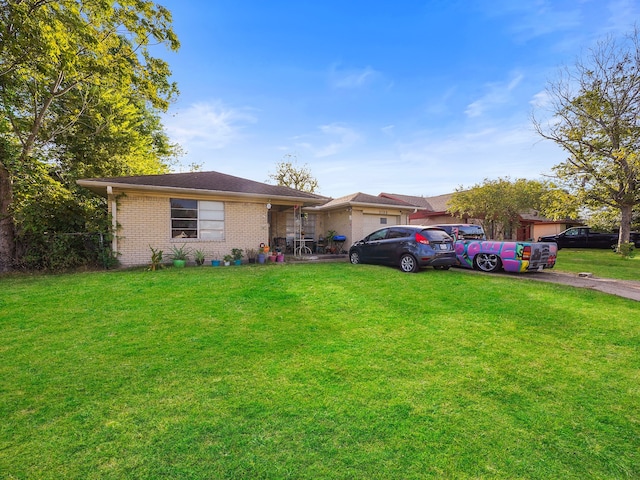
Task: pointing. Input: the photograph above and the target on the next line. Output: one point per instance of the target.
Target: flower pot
(280, 257)
(237, 262)
(179, 263)
(272, 258)
(261, 258)
(227, 263)
(215, 263)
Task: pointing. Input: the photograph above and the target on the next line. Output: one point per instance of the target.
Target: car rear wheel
(487, 262)
(354, 258)
(408, 263)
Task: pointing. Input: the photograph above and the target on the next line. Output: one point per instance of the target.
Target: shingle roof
(360, 198)
(210, 182)
(433, 204)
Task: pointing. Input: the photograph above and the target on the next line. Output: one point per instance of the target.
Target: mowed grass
(315, 371)
(602, 263)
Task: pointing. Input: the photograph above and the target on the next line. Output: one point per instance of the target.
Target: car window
(379, 235)
(398, 233)
(437, 235)
(471, 232)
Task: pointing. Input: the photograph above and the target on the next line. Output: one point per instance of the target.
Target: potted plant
(227, 259)
(215, 261)
(251, 255)
(180, 255)
(236, 253)
(156, 259)
(330, 235)
(198, 256)
(262, 252)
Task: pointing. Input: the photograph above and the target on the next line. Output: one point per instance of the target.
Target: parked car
(584, 237)
(410, 247)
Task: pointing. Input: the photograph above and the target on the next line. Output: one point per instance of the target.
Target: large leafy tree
(596, 119)
(78, 93)
(498, 204)
(290, 174)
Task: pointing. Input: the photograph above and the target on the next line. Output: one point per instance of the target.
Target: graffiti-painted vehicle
(473, 250)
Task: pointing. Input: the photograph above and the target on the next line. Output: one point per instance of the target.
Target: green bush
(627, 249)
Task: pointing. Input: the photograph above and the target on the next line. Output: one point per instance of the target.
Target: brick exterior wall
(145, 220)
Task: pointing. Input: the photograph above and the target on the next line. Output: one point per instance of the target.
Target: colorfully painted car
(409, 247)
(474, 251)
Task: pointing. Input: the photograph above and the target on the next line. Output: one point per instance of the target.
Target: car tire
(487, 262)
(442, 267)
(354, 258)
(408, 263)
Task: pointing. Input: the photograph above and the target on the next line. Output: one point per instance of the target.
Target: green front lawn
(315, 371)
(601, 262)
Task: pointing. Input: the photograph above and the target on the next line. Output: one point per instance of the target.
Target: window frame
(197, 214)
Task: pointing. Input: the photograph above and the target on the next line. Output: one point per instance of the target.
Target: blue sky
(410, 97)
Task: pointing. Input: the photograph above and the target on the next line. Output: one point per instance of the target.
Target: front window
(379, 235)
(197, 219)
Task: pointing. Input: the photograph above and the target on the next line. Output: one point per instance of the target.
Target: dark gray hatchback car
(410, 247)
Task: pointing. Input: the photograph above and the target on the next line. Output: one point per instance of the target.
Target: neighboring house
(209, 211)
(433, 211)
(429, 210)
(355, 216)
(534, 226)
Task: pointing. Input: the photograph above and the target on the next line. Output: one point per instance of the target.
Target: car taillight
(526, 253)
(421, 239)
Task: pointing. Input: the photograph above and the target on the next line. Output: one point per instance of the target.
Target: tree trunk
(7, 227)
(625, 224)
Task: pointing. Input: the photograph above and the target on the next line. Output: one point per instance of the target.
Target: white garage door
(371, 223)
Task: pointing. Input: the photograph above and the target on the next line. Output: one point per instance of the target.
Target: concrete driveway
(622, 288)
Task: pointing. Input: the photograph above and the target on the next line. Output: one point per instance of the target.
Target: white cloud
(388, 130)
(335, 138)
(445, 161)
(351, 78)
(497, 94)
(541, 100)
(535, 19)
(623, 13)
(212, 124)
(441, 105)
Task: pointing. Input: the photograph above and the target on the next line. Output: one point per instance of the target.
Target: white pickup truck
(473, 250)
